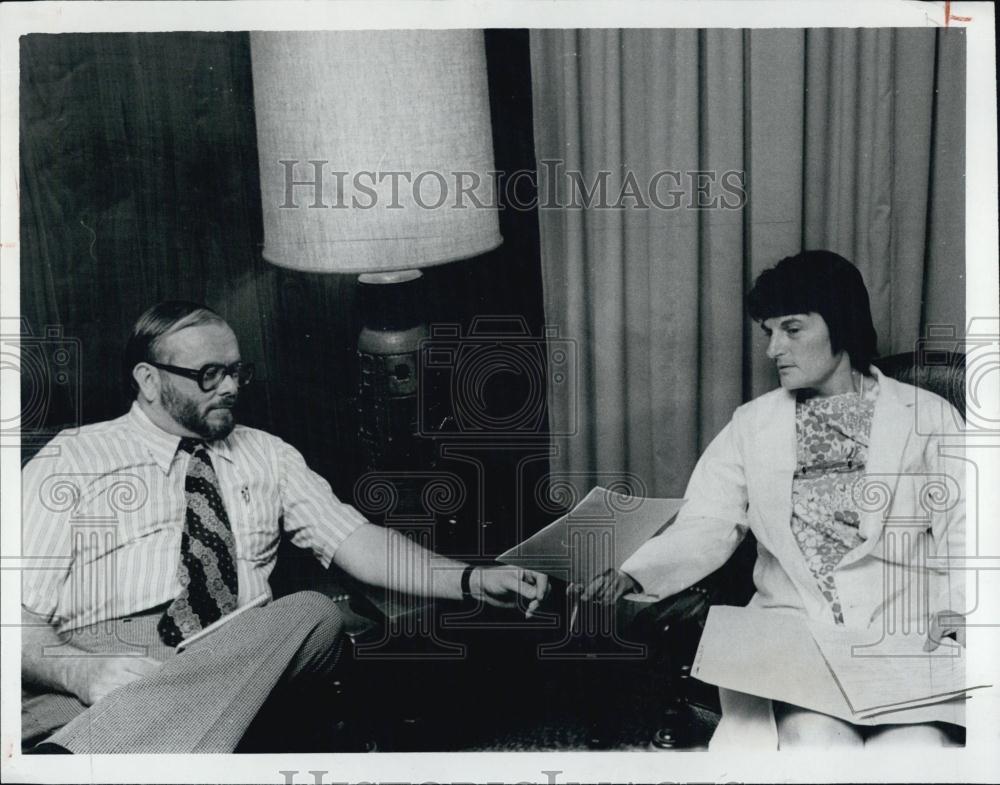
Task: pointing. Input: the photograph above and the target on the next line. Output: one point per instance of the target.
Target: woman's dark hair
(149, 329)
(825, 283)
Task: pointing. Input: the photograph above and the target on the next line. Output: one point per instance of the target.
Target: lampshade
(399, 123)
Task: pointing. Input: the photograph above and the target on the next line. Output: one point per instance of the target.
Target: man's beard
(185, 412)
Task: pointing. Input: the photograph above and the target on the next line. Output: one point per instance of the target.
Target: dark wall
(139, 182)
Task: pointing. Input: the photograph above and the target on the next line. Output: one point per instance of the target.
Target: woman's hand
(503, 586)
(607, 588)
(944, 624)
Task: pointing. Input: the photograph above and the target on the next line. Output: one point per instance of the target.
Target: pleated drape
(850, 140)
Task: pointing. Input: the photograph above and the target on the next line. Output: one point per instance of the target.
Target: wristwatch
(467, 582)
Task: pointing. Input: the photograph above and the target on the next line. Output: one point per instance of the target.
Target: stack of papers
(862, 676)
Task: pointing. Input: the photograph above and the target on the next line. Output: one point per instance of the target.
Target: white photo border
(978, 761)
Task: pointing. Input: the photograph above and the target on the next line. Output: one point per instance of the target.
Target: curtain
(850, 140)
(138, 177)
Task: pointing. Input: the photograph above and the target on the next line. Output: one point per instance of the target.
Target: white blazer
(912, 504)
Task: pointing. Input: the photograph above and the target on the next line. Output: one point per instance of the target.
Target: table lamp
(376, 155)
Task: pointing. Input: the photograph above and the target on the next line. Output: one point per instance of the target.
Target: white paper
(598, 534)
(783, 657)
(256, 602)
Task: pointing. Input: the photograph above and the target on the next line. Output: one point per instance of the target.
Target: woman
(791, 467)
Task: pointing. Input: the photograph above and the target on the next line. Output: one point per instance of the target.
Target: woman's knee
(803, 728)
(926, 735)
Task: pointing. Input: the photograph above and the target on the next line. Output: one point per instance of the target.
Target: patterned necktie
(207, 567)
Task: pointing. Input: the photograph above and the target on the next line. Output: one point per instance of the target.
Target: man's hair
(150, 328)
(825, 283)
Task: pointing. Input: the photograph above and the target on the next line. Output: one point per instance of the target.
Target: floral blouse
(832, 436)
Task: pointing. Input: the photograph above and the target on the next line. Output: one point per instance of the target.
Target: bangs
(778, 293)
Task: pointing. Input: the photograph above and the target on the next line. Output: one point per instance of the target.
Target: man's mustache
(226, 403)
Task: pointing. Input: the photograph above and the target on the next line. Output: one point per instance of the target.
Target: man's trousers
(203, 699)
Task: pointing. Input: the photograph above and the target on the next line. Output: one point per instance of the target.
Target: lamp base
(388, 347)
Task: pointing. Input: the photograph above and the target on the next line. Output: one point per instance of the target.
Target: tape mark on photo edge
(949, 17)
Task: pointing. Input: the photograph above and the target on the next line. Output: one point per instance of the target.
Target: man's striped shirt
(104, 506)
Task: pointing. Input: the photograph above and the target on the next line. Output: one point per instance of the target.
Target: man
(151, 527)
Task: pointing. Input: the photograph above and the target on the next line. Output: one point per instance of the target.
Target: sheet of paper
(601, 532)
(768, 654)
(256, 602)
(879, 671)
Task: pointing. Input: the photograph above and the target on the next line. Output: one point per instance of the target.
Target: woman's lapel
(777, 452)
(892, 429)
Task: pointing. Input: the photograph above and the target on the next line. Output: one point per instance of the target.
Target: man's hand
(88, 676)
(92, 678)
(943, 624)
(607, 588)
(501, 586)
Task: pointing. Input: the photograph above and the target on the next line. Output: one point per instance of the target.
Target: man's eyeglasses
(210, 376)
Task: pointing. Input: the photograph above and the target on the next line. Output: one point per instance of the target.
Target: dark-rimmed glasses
(210, 376)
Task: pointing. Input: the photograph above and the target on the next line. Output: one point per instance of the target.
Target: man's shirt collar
(162, 446)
